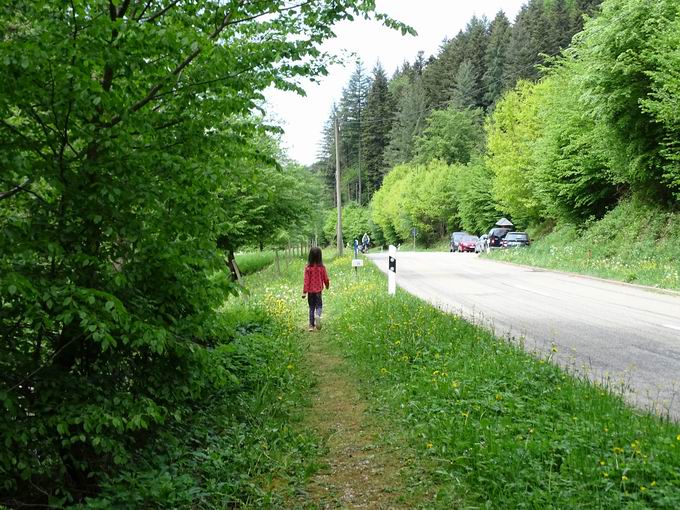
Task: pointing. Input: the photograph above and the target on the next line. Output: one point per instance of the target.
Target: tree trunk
(233, 267)
(278, 265)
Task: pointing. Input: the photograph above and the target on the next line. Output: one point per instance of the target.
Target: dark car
(455, 239)
(513, 239)
(496, 236)
(468, 243)
(482, 244)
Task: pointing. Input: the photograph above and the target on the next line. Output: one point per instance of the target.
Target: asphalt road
(623, 334)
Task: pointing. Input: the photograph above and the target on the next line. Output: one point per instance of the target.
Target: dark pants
(315, 305)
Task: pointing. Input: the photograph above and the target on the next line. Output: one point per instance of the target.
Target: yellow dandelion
(677, 437)
(429, 445)
(643, 488)
(605, 474)
(602, 463)
(499, 396)
(290, 367)
(383, 370)
(653, 484)
(624, 478)
(606, 429)
(617, 450)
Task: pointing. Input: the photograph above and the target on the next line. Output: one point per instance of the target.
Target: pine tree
(439, 73)
(496, 58)
(581, 8)
(378, 119)
(476, 38)
(560, 27)
(408, 123)
(465, 88)
(352, 105)
(525, 45)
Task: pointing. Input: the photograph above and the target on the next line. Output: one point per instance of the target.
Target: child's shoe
(318, 323)
(311, 328)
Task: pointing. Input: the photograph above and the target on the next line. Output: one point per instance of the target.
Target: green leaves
(624, 56)
(133, 124)
(452, 135)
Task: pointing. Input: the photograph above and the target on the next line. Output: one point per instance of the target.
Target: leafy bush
(628, 86)
(476, 205)
(572, 178)
(233, 444)
(420, 197)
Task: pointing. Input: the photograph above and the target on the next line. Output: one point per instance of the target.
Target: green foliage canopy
(125, 131)
(512, 131)
(629, 85)
(451, 135)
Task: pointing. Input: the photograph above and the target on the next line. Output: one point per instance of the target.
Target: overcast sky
(303, 117)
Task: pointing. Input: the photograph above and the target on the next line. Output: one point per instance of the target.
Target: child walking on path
(316, 279)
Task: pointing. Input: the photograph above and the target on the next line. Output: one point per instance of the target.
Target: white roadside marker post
(392, 270)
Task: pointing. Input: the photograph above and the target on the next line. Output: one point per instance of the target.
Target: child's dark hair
(315, 257)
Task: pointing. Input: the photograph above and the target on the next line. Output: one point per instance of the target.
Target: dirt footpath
(359, 472)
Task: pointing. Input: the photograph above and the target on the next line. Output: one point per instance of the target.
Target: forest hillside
(551, 119)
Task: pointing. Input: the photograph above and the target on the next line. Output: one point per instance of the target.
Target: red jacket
(315, 279)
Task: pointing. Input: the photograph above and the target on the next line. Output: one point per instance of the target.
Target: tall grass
(635, 243)
(498, 427)
(253, 261)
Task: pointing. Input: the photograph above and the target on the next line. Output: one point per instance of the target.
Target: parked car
(467, 243)
(513, 239)
(496, 236)
(482, 244)
(455, 239)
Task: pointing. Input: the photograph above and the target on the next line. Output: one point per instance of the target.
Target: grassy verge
(240, 448)
(495, 426)
(491, 425)
(635, 243)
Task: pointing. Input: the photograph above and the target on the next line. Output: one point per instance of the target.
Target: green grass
(496, 427)
(253, 261)
(635, 243)
(492, 425)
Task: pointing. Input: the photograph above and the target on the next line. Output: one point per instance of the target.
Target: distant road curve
(622, 332)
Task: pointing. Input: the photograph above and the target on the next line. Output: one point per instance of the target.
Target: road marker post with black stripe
(392, 270)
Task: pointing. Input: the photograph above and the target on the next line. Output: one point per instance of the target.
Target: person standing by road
(365, 241)
(316, 278)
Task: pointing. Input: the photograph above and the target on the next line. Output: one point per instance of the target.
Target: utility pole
(337, 185)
